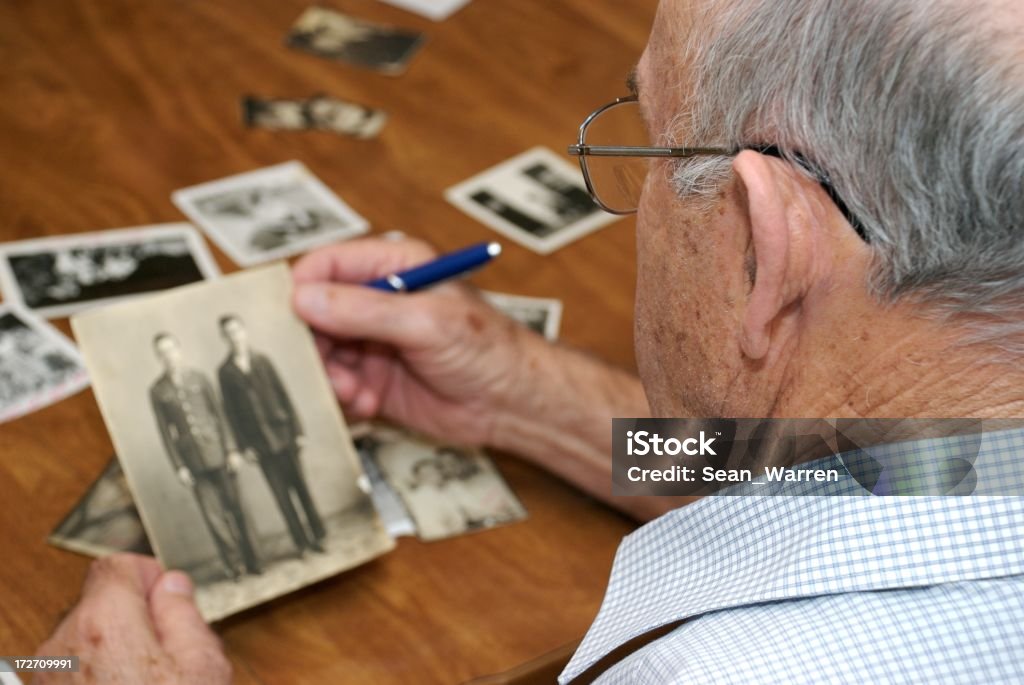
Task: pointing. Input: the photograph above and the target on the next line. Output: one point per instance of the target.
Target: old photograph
(537, 199)
(233, 445)
(320, 112)
(343, 38)
(542, 315)
(60, 275)
(447, 490)
(38, 364)
(269, 214)
(105, 520)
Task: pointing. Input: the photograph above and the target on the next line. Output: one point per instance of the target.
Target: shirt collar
(725, 551)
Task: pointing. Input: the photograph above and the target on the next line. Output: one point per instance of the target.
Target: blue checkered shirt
(822, 589)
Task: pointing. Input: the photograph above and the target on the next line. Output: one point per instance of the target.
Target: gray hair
(914, 111)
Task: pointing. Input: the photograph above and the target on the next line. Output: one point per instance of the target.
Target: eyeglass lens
(617, 181)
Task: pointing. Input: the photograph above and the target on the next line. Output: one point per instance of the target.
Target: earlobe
(765, 196)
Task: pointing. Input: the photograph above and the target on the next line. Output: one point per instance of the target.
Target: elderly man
(850, 245)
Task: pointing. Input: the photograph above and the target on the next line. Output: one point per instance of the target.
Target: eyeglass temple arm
(626, 151)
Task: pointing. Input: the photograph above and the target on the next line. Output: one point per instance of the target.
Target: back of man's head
(914, 112)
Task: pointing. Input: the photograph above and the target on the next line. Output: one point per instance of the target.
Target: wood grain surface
(106, 106)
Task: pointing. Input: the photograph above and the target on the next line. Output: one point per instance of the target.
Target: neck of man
(894, 362)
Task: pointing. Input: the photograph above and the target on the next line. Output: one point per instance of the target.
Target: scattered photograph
(38, 364)
(270, 213)
(437, 10)
(231, 440)
(537, 199)
(343, 38)
(542, 315)
(61, 275)
(446, 490)
(105, 520)
(319, 112)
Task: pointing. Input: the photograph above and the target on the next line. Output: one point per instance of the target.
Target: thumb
(358, 312)
(180, 628)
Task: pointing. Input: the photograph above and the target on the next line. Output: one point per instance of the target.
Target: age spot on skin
(94, 636)
(475, 322)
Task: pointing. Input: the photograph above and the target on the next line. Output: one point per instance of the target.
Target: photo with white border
(62, 275)
(269, 214)
(536, 198)
(38, 364)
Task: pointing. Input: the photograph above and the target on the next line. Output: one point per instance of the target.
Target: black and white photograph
(446, 490)
(437, 10)
(38, 364)
(235, 451)
(542, 315)
(61, 275)
(320, 112)
(537, 199)
(105, 520)
(270, 213)
(344, 38)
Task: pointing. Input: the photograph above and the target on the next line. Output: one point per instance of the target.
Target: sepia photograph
(542, 315)
(320, 112)
(343, 38)
(270, 213)
(38, 364)
(447, 490)
(537, 199)
(61, 275)
(234, 448)
(105, 520)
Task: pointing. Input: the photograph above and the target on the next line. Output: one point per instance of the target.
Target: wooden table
(107, 106)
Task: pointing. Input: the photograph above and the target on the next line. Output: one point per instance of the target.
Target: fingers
(345, 383)
(113, 612)
(324, 345)
(132, 574)
(378, 364)
(355, 312)
(358, 261)
(361, 382)
(181, 630)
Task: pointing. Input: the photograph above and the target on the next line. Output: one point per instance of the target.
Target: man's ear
(768, 192)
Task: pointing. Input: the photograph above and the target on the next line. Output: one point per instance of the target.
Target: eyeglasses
(615, 173)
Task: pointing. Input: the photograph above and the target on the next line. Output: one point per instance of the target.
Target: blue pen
(443, 268)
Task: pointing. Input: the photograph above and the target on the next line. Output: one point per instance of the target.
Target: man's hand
(446, 363)
(442, 361)
(134, 624)
(234, 461)
(185, 476)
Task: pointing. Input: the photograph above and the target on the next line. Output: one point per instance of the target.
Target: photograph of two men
(505, 341)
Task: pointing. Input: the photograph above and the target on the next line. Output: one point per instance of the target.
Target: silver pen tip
(494, 249)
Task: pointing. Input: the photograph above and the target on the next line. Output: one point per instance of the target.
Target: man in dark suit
(264, 421)
(202, 452)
